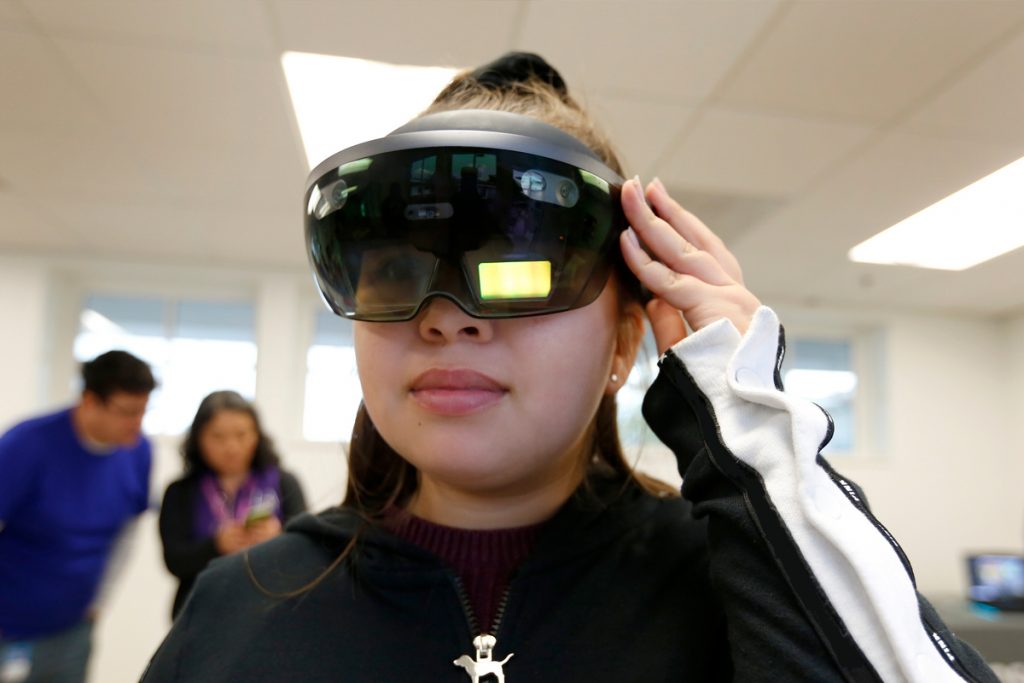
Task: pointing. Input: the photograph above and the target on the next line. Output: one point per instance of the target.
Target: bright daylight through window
(822, 371)
(194, 347)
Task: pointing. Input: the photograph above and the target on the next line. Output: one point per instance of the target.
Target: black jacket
(740, 581)
(185, 555)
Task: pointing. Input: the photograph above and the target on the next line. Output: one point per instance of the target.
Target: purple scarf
(260, 492)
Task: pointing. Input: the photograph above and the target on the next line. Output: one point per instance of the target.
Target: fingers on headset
(692, 229)
(681, 290)
(665, 243)
(661, 243)
(687, 224)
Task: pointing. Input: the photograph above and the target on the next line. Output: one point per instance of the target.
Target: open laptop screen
(997, 580)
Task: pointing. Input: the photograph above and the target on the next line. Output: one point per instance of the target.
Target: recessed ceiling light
(341, 101)
(970, 226)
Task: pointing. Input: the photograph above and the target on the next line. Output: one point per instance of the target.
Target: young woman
(491, 526)
(233, 495)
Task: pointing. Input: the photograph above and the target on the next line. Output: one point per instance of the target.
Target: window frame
(867, 361)
(73, 282)
(313, 309)
(171, 420)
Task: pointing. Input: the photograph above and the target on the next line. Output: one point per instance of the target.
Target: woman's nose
(443, 321)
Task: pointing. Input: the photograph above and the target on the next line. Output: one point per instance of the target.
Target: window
(835, 371)
(633, 429)
(822, 370)
(193, 346)
(333, 392)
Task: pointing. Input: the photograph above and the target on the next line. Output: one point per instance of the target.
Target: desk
(998, 636)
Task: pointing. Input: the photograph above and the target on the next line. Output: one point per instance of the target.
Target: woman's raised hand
(686, 266)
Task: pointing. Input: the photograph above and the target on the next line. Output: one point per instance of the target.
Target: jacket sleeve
(184, 556)
(813, 586)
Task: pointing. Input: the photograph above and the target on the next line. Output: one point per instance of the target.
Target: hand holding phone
(263, 529)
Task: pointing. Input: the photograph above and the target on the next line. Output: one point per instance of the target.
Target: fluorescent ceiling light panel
(970, 226)
(340, 101)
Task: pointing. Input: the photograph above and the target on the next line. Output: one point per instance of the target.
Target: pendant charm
(484, 664)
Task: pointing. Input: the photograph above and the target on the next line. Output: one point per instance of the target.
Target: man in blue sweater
(70, 482)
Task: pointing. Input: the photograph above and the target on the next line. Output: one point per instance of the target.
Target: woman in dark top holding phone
(233, 495)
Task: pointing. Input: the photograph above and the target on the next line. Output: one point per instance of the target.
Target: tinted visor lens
(501, 233)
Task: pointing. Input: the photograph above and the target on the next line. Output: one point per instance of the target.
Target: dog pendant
(484, 664)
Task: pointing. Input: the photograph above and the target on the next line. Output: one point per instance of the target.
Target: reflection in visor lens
(502, 233)
(515, 279)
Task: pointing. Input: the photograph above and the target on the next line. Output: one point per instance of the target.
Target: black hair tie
(519, 67)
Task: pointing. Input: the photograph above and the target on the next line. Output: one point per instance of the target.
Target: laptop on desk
(997, 579)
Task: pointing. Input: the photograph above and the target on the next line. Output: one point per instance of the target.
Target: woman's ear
(627, 343)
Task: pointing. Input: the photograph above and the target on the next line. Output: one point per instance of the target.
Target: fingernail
(639, 186)
(632, 237)
(660, 185)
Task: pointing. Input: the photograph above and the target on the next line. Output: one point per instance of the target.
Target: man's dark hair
(117, 371)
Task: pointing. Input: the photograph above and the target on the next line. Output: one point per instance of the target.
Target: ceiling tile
(759, 154)
(864, 62)
(892, 179)
(200, 124)
(55, 166)
(189, 233)
(12, 16)
(639, 131)
(731, 215)
(664, 51)
(993, 287)
(988, 289)
(40, 93)
(226, 25)
(244, 176)
(22, 227)
(182, 95)
(987, 104)
(437, 33)
(803, 246)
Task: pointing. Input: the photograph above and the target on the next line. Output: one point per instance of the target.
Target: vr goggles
(502, 214)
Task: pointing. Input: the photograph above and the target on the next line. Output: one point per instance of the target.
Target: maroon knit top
(483, 559)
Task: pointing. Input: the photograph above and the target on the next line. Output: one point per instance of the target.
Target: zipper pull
(484, 663)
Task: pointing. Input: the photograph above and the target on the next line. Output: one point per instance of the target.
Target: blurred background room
(152, 161)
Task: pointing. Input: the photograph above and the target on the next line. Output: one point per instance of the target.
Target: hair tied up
(513, 68)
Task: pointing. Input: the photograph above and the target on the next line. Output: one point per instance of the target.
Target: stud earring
(615, 378)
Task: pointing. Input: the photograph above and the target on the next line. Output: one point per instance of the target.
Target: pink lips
(456, 391)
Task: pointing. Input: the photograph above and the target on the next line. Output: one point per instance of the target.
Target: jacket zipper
(485, 642)
(467, 608)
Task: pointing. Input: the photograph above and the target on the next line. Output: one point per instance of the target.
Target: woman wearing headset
(495, 262)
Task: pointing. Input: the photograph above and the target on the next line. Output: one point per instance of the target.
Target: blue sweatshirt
(61, 509)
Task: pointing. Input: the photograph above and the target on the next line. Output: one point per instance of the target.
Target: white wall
(1014, 335)
(946, 481)
(943, 483)
(23, 358)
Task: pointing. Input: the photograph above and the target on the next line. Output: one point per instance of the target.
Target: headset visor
(502, 233)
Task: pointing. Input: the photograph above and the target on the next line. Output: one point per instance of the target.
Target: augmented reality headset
(501, 213)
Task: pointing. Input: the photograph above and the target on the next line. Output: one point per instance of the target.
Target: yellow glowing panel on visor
(515, 279)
